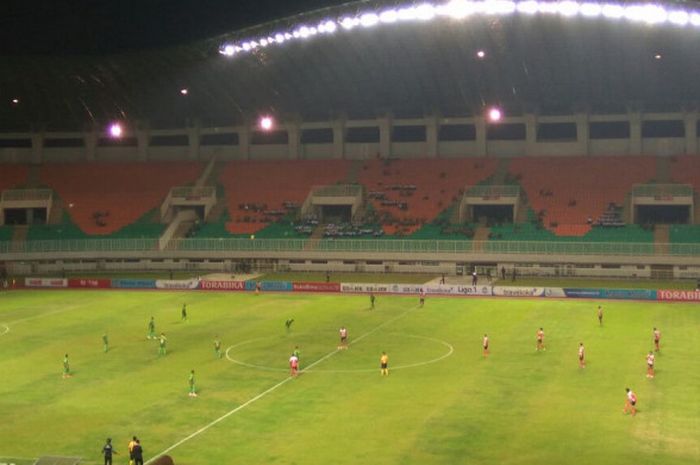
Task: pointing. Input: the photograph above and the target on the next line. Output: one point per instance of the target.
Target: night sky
(111, 26)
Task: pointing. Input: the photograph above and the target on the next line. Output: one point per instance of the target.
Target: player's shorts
(486, 347)
(633, 403)
(343, 339)
(384, 366)
(580, 357)
(650, 365)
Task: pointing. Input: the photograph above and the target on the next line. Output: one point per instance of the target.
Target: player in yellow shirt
(384, 363)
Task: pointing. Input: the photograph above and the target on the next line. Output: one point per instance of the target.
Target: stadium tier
(12, 176)
(686, 170)
(570, 194)
(259, 192)
(102, 198)
(408, 194)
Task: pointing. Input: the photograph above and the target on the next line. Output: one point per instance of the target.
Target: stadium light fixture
(641, 13)
(266, 123)
(184, 91)
(481, 54)
(15, 101)
(657, 56)
(115, 130)
(495, 115)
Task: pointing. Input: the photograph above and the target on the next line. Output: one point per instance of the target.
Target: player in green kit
(217, 347)
(288, 324)
(183, 313)
(152, 329)
(161, 344)
(66, 367)
(105, 341)
(193, 390)
(296, 352)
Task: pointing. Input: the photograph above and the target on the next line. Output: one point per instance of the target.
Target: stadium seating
(257, 192)
(12, 176)
(407, 194)
(686, 170)
(102, 198)
(573, 192)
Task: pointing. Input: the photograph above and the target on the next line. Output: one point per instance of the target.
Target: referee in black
(107, 451)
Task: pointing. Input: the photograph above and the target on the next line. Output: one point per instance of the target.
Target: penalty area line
(270, 389)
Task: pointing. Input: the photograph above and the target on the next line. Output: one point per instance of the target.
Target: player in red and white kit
(485, 344)
(581, 356)
(343, 338)
(540, 340)
(657, 338)
(650, 364)
(630, 402)
(293, 365)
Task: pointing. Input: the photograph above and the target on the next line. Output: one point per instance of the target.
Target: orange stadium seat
(12, 176)
(123, 191)
(573, 189)
(686, 170)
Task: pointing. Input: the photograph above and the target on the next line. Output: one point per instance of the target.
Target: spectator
(503, 273)
(514, 273)
(475, 278)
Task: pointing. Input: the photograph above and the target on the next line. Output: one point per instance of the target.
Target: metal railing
(662, 190)
(26, 194)
(493, 191)
(407, 246)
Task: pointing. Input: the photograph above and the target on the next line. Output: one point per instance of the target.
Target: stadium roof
(547, 64)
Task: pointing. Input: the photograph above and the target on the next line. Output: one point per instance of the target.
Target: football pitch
(442, 403)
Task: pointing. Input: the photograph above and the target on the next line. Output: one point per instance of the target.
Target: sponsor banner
(90, 283)
(554, 292)
(275, 286)
(623, 294)
(683, 296)
(134, 283)
(222, 285)
(183, 284)
(513, 291)
(45, 282)
(415, 289)
(316, 287)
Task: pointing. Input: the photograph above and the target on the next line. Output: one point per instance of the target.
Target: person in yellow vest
(384, 363)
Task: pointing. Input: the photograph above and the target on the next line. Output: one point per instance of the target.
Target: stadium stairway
(481, 235)
(353, 175)
(663, 170)
(662, 238)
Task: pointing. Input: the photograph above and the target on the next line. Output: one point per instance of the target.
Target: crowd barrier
(366, 288)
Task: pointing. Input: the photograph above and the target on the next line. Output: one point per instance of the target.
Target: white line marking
(450, 351)
(269, 390)
(7, 329)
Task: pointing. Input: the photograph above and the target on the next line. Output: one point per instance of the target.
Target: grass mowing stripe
(272, 389)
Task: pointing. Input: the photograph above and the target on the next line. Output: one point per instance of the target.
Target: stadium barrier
(90, 283)
(134, 283)
(222, 285)
(515, 291)
(316, 287)
(415, 289)
(175, 284)
(275, 286)
(45, 282)
(619, 294)
(678, 296)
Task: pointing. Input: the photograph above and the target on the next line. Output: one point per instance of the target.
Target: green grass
(515, 407)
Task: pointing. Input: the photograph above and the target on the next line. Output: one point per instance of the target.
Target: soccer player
(130, 447)
(485, 344)
(600, 315)
(657, 338)
(371, 299)
(540, 340)
(288, 324)
(105, 341)
(152, 329)
(650, 364)
(343, 338)
(138, 453)
(161, 344)
(183, 312)
(630, 402)
(258, 287)
(296, 352)
(421, 298)
(293, 365)
(66, 367)
(193, 390)
(581, 356)
(107, 451)
(217, 347)
(384, 364)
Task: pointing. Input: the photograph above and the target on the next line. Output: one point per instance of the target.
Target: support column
(635, 133)
(193, 140)
(37, 147)
(244, 142)
(385, 137)
(91, 139)
(530, 134)
(142, 141)
(583, 136)
(691, 133)
(338, 127)
(481, 142)
(431, 137)
(293, 140)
